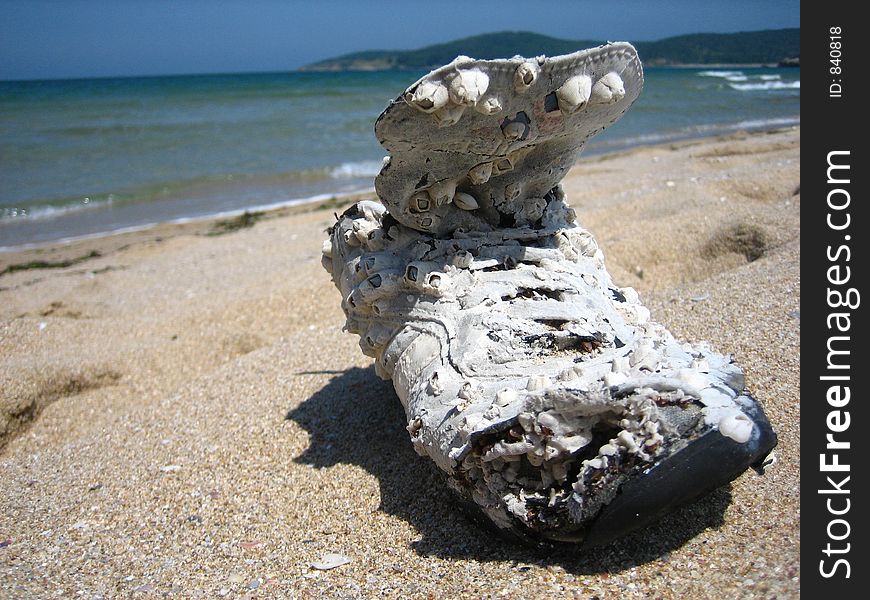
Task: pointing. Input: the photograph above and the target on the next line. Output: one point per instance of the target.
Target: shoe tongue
(474, 141)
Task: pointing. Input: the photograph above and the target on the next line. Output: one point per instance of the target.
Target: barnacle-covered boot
(544, 392)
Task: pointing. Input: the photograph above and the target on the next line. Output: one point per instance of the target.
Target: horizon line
(302, 68)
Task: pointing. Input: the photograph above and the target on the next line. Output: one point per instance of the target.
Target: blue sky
(92, 38)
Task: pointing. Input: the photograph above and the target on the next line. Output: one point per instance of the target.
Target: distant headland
(768, 47)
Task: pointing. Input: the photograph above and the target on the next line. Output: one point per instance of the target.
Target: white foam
(767, 85)
(759, 123)
(725, 74)
(366, 168)
(10, 214)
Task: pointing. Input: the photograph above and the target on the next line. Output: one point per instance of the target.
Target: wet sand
(181, 414)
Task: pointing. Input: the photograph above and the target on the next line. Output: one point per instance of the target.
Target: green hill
(748, 47)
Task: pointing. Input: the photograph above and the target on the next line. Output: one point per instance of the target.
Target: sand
(181, 414)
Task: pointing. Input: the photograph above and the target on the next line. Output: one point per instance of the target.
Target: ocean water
(84, 157)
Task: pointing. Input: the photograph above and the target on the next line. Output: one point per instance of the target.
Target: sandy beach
(181, 414)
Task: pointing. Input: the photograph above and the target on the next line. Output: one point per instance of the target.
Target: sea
(87, 157)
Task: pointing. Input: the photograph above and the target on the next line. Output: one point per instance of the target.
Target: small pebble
(329, 561)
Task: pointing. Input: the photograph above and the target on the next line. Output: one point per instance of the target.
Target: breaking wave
(50, 211)
(366, 168)
(725, 74)
(738, 80)
(767, 85)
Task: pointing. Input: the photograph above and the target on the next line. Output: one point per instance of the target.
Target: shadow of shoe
(357, 419)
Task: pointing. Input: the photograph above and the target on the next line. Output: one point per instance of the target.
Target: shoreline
(201, 225)
(316, 200)
(70, 248)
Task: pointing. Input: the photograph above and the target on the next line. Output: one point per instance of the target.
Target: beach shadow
(357, 419)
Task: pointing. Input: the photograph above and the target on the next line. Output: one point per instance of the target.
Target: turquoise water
(81, 157)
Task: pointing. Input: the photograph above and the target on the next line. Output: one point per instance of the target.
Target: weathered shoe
(540, 388)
